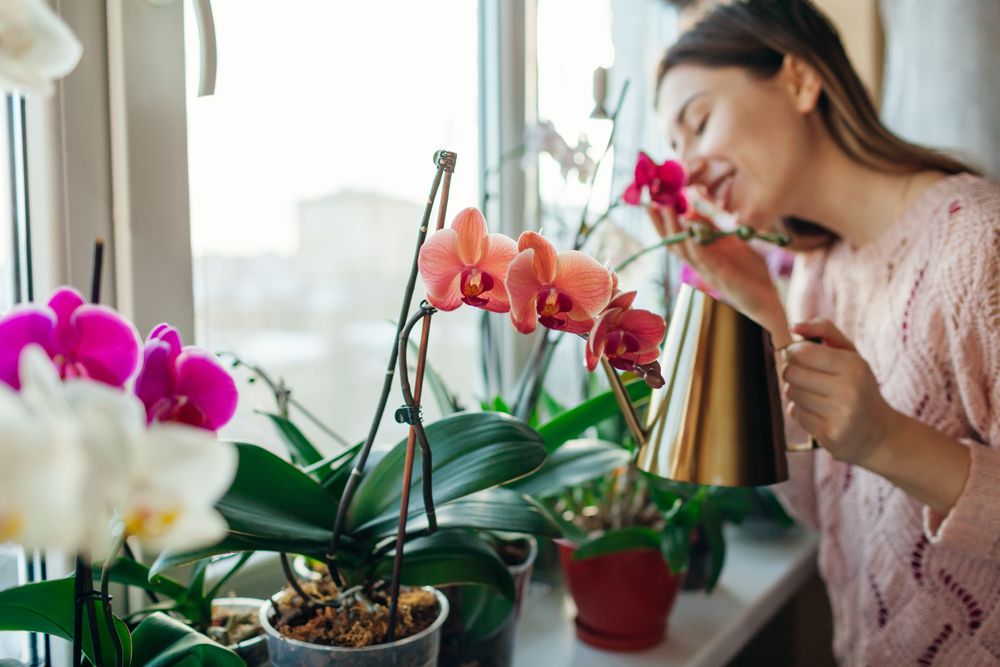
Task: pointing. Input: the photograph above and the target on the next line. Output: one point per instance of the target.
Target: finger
(825, 330)
(809, 400)
(810, 422)
(808, 379)
(674, 226)
(817, 357)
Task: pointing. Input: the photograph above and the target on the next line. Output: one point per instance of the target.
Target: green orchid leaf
(575, 462)
(133, 573)
(483, 611)
(675, 545)
(572, 423)
(46, 607)
(622, 539)
(492, 509)
(302, 451)
(712, 530)
(332, 472)
(160, 641)
(470, 452)
(450, 557)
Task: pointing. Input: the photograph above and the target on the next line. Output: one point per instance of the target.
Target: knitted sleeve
(973, 346)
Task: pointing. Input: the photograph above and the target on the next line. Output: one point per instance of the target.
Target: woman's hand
(833, 394)
(733, 269)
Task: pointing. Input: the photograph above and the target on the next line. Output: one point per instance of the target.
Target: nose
(697, 168)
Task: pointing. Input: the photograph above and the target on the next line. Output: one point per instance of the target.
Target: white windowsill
(760, 576)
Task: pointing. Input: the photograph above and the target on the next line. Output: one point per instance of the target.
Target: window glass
(309, 171)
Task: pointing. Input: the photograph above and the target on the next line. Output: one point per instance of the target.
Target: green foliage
(302, 451)
(573, 422)
(622, 539)
(160, 641)
(47, 607)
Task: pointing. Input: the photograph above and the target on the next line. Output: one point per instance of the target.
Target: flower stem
(292, 580)
(624, 403)
(706, 235)
(445, 161)
(109, 618)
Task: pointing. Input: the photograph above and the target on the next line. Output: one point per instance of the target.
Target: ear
(802, 82)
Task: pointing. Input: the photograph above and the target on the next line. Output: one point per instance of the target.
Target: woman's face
(746, 141)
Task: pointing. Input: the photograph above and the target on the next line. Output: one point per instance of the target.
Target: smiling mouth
(720, 191)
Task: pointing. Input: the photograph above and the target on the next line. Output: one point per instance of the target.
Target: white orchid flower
(160, 483)
(41, 477)
(36, 46)
(178, 474)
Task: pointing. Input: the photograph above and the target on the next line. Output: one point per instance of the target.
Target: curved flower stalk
(562, 291)
(184, 383)
(665, 183)
(467, 264)
(543, 138)
(36, 46)
(83, 340)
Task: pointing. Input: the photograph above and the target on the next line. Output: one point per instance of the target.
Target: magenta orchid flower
(467, 264)
(629, 338)
(563, 291)
(665, 183)
(83, 340)
(184, 383)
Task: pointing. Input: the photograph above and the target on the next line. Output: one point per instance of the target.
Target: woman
(899, 276)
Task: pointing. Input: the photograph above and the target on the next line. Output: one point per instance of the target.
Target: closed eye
(701, 126)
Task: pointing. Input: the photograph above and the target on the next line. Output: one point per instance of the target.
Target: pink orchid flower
(83, 340)
(184, 383)
(563, 291)
(665, 183)
(467, 264)
(629, 338)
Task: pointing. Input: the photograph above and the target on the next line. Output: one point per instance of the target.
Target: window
(308, 176)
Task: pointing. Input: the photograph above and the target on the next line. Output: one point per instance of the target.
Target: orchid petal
(155, 385)
(64, 302)
(450, 298)
(522, 288)
(622, 300)
(169, 335)
(209, 389)
(578, 327)
(645, 169)
(632, 194)
(672, 175)
(440, 264)
(586, 282)
(546, 260)
(500, 252)
(597, 340)
(107, 346)
(648, 327)
(470, 226)
(24, 326)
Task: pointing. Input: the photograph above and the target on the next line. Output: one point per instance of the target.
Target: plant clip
(427, 308)
(408, 414)
(94, 595)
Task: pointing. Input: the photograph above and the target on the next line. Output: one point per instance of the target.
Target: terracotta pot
(622, 599)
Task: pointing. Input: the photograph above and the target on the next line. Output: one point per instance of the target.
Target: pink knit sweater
(922, 305)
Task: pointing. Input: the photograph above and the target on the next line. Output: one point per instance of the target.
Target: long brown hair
(756, 35)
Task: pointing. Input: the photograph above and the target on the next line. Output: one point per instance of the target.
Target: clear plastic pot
(254, 650)
(419, 650)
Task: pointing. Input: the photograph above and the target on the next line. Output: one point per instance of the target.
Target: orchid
(36, 46)
(629, 338)
(563, 291)
(78, 458)
(467, 264)
(83, 340)
(184, 383)
(665, 183)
